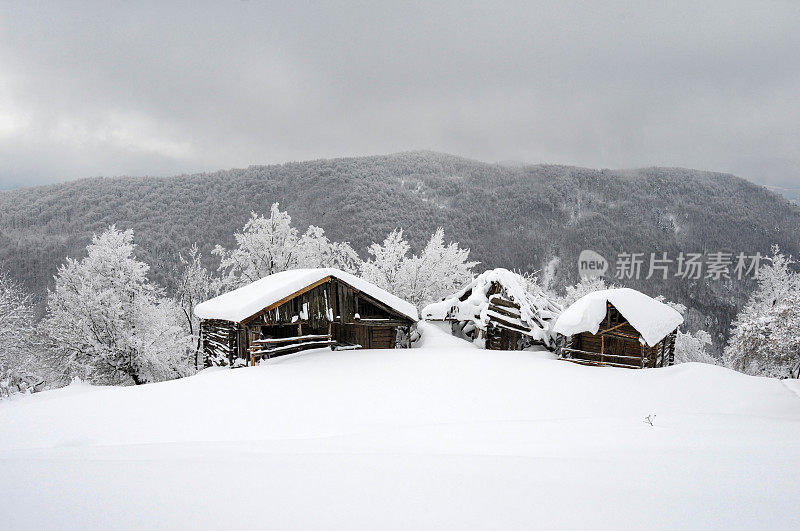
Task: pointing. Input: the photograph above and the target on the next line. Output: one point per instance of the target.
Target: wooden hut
(496, 311)
(618, 327)
(301, 309)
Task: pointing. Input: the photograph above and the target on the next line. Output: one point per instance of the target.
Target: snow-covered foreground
(443, 436)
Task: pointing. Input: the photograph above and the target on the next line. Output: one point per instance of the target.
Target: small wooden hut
(301, 309)
(496, 311)
(618, 327)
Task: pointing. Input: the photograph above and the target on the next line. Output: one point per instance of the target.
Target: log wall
(220, 341)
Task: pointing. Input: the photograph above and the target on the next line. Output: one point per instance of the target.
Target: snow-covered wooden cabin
(496, 310)
(618, 327)
(300, 309)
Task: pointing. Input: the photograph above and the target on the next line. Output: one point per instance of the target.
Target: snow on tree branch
(108, 324)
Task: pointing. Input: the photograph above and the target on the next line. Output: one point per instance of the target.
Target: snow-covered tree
(786, 332)
(690, 346)
(195, 285)
(765, 336)
(583, 287)
(439, 270)
(19, 369)
(316, 250)
(271, 245)
(537, 287)
(265, 246)
(108, 324)
(693, 347)
(384, 268)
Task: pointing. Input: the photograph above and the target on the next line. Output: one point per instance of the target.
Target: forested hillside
(516, 217)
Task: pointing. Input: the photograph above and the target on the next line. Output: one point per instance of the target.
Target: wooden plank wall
(619, 351)
(364, 335)
(329, 308)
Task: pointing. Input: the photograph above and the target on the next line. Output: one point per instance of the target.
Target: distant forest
(519, 217)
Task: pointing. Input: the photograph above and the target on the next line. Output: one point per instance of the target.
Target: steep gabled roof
(242, 303)
(654, 320)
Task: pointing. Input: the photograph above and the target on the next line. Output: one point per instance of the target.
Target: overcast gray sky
(147, 89)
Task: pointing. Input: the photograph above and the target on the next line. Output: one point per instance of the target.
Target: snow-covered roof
(248, 300)
(652, 319)
(536, 310)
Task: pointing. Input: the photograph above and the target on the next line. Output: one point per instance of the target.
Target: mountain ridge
(519, 218)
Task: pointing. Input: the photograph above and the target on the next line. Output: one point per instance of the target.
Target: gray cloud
(144, 89)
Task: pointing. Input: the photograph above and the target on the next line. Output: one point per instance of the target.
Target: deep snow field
(441, 436)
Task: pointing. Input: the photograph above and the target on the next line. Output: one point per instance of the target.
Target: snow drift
(445, 436)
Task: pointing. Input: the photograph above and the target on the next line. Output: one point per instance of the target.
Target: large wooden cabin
(301, 309)
(619, 328)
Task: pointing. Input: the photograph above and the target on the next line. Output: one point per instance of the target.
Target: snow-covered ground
(442, 436)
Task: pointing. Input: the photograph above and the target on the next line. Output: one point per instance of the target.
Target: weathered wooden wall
(617, 343)
(220, 340)
(329, 309)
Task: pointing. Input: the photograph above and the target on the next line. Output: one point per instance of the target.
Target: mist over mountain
(792, 193)
(510, 215)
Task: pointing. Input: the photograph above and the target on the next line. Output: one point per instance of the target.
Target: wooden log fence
(269, 347)
(597, 358)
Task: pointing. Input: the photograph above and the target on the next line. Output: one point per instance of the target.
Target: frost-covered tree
(439, 270)
(108, 324)
(690, 347)
(786, 332)
(384, 268)
(271, 245)
(693, 347)
(537, 287)
(583, 287)
(195, 285)
(265, 246)
(765, 336)
(19, 368)
(316, 250)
